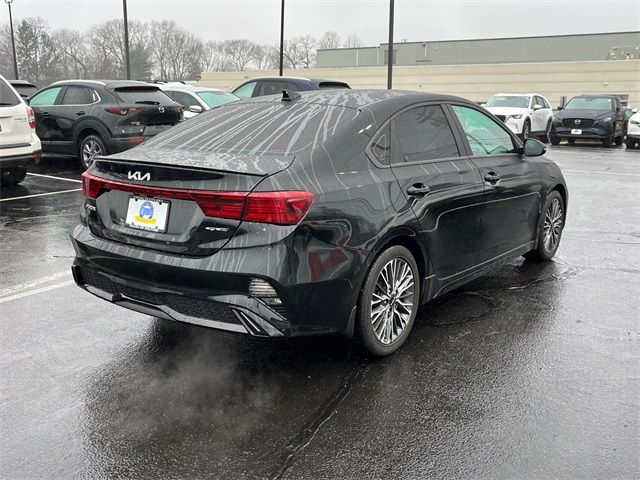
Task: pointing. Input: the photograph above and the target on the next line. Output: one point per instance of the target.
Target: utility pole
(281, 36)
(390, 51)
(13, 41)
(126, 40)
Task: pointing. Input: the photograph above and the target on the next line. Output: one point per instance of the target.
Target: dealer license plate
(576, 131)
(148, 214)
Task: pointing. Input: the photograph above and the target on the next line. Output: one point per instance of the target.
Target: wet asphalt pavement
(529, 372)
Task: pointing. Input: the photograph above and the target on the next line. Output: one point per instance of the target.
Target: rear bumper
(24, 160)
(213, 291)
(120, 144)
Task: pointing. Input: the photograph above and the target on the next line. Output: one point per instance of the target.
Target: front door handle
(80, 113)
(492, 177)
(418, 189)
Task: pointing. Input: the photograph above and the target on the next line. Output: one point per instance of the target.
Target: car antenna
(288, 96)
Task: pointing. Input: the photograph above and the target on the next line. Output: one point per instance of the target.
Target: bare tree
(308, 46)
(239, 53)
(262, 57)
(214, 57)
(75, 57)
(353, 41)
(330, 39)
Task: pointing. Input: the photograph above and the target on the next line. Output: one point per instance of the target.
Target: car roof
(105, 83)
(595, 95)
(518, 94)
(362, 98)
(188, 88)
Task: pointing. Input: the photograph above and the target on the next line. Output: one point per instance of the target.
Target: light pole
(281, 35)
(390, 51)
(13, 40)
(126, 39)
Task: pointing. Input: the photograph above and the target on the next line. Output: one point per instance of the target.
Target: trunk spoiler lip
(115, 159)
(241, 163)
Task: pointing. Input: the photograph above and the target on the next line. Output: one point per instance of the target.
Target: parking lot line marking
(28, 293)
(600, 172)
(40, 194)
(54, 178)
(29, 285)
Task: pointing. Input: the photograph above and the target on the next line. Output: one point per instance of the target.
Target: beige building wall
(475, 82)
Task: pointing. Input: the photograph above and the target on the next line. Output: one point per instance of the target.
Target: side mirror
(560, 107)
(537, 107)
(195, 109)
(534, 148)
(634, 110)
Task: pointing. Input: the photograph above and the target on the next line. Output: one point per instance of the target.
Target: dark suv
(88, 118)
(595, 117)
(259, 87)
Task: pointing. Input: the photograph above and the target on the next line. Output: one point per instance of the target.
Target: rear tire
(550, 229)
(554, 140)
(388, 302)
(89, 148)
(12, 176)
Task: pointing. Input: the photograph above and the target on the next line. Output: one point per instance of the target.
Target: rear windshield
(26, 91)
(256, 128)
(215, 99)
(589, 103)
(331, 85)
(7, 97)
(143, 95)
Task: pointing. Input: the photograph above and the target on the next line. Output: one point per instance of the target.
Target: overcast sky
(258, 20)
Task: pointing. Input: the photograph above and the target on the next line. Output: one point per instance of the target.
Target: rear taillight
(280, 208)
(122, 111)
(32, 118)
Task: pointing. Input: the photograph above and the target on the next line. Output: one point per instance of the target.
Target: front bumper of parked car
(599, 131)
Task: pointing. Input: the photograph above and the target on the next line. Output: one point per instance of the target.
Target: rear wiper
(148, 102)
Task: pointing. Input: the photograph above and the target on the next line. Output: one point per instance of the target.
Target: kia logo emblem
(138, 176)
(578, 121)
(161, 109)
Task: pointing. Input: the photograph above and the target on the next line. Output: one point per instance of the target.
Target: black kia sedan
(261, 86)
(315, 213)
(88, 118)
(590, 117)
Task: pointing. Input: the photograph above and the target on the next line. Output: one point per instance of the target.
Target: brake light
(122, 111)
(32, 118)
(280, 208)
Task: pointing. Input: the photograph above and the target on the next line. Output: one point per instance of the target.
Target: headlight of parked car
(635, 122)
(515, 117)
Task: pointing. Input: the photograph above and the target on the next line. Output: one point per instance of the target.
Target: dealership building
(557, 67)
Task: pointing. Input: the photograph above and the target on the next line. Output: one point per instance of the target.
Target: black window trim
(519, 147)
(462, 148)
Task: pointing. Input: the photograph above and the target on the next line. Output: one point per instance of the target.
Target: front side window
(271, 87)
(589, 103)
(424, 134)
(485, 136)
(45, 98)
(215, 99)
(245, 91)
(78, 96)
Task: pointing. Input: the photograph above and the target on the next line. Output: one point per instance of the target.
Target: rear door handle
(418, 189)
(492, 177)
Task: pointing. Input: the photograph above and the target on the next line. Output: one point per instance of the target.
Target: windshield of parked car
(215, 99)
(7, 97)
(514, 101)
(589, 103)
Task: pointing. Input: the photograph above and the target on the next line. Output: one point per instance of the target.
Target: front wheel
(619, 140)
(526, 130)
(554, 140)
(631, 143)
(550, 231)
(545, 136)
(12, 176)
(388, 302)
(90, 147)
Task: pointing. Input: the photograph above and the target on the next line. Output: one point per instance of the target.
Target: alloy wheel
(392, 300)
(525, 131)
(552, 225)
(90, 150)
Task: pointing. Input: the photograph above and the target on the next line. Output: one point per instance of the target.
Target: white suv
(526, 114)
(19, 144)
(633, 130)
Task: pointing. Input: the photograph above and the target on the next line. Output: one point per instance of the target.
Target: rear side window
(424, 134)
(79, 96)
(271, 87)
(381, 145)
(485, 136)
(7, 97)
(46, 98)
(142, 95)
